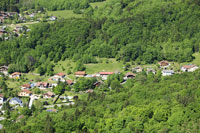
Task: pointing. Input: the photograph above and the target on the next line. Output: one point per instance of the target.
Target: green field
(64, 14)
(98, 4)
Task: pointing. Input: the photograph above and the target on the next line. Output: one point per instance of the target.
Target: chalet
(25, 93)
(15, 101)
(137, 69)
(164, 64)
(25, 86)
(70, 82)
(129, 75)
(151, 70)
(4, 70)
(48, 95)
(104, 75)
(42, 85)
(189, 68)
(167, 72)
(1, 99)
(80, 74)
(15, 75)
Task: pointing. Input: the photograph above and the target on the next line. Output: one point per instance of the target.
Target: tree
(49, 125)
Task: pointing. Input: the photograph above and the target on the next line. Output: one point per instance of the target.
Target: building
(1, 99)
(25, 93)
(15, 75)
(80, 74)
(137, 69)
(189, 68)
(48, 95)
(129, 75)
(70, 82)
(104, 75)
(4, 70)
(42, 85)
(53, 18)
(167, 72)
(151, 70)
(164, 63)
(58, 77)
(25, 86)
(15, 101)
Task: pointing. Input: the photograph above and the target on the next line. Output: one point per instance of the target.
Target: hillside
(111, 36)
(139, 32)
(145, 104)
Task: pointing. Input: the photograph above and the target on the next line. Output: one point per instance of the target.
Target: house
(98, 83)
(25, 86)
(70, 82)
(19, 28)
(167, 72)
(42, 85)
(4, 70)
(53, 18)
(164, 63)
(129, 75)
(58, 77)
(89, 91)
(15, 75)
(189, 68)
(48, 95)
(151, 70)
(25, 93)
(80, 74)
(137, 69)
(104, 75)
(61, 75)
(32, 15)
(1, 99)
(52, 110)
(16, 101)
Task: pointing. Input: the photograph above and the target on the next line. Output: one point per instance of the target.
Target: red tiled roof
(15, 73)
(26, 85)
(80, 73)
(1, 95)
(69, 82)
(27, 91)
(106, 73)
(189, 66)
(60, 74)
(163, 63)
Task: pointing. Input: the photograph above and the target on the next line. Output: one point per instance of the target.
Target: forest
(135, 31)
(148, 103)
(139, 31)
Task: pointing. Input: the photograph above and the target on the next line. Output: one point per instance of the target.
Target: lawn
(98, 4)
(112, 65)
(64, 14)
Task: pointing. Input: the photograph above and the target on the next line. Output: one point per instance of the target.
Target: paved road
(52, 106)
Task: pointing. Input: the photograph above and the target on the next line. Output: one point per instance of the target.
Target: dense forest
(138, 31)
(52, 5)
(148, 103)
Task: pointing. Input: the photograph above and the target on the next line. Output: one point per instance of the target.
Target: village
(44, 90)
(13, 24)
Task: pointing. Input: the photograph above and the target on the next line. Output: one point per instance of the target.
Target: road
(52, 106)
